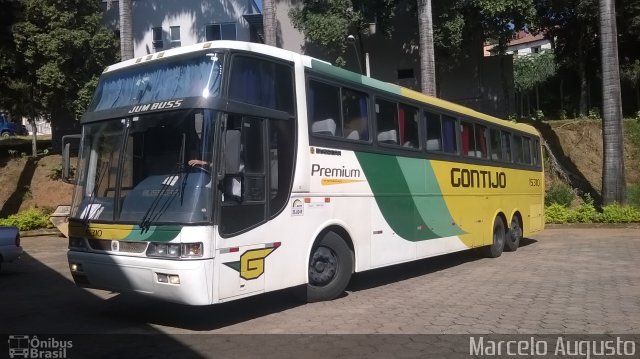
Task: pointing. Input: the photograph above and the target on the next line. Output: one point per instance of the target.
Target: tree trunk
(427, 56)
(613, 181)
(34, 137)
(126, 30)
(269, 22)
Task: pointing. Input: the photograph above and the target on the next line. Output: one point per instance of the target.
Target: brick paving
(565, 281)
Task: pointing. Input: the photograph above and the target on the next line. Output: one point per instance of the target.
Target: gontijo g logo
(24, 346)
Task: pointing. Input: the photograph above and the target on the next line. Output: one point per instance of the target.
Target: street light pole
(352, 40)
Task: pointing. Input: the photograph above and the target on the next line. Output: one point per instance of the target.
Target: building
(523, 43)
(484, 84)
(164, 24)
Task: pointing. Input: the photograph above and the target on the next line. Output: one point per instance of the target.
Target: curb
(593, 225)
(41, 233)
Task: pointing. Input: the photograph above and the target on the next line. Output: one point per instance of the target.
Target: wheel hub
(322, 267)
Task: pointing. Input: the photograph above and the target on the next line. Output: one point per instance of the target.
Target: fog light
(162, 278)
(75, 267)
(174, 279)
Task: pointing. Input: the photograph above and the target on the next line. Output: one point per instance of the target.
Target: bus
(226, 169)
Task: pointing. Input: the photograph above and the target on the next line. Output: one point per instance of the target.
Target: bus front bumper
(180, 281)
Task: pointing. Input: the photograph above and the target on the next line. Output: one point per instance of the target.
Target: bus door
(243, 210)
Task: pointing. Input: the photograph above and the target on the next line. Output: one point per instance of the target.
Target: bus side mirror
(66, 158)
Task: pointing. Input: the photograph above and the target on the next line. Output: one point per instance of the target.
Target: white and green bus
(227, 169)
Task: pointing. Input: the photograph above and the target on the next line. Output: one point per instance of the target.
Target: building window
(220, 32)
(175, 36)
(535, 50)
(157, 38)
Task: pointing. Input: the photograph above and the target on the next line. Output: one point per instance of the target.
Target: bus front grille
(125, 247)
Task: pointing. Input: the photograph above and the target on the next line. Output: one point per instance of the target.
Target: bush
(560, 194)
(633, 195)
(614, 213)
(556, 213)
(27, 220)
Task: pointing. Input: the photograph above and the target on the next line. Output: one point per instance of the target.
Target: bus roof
(326, 69)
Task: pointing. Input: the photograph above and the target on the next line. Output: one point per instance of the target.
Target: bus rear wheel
(330, 268)
(514, 236)
(499, 236)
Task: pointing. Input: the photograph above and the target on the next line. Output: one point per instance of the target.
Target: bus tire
(514, 235)
(330, 268)
(499, 235)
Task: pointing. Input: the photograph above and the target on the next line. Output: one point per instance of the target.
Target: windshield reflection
(160, 80)
(148, 169)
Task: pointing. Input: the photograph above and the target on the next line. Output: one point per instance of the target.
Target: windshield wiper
(152, 215)
(104, 168)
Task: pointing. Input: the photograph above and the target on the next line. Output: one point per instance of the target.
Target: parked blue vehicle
(8, 128)
(10, 249)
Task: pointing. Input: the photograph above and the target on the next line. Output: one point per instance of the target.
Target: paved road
(564, 281)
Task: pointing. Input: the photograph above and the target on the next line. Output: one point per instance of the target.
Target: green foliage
(55, 173)
(532, 70)
(559, 194)
(61, 46)
(556, 213)
(28, 220)
(633, 195)
(594, 114)
(328, 23)
(586, 213)
(614, 213)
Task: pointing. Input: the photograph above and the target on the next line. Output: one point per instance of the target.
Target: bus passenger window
(408, 126)
(356, 115)
(481, 141)
(496, 146)
(506, 146)
(468, 139)
(434, 132)
(526, 146)
(261, 83)
(324, 109)
(449, 135)
(536, 153)
(387, 122)
(517, 149)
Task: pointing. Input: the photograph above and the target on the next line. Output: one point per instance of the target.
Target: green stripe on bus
(154, 234)
(427, 196)
(408, 195)
(354, 77)
(395, 183)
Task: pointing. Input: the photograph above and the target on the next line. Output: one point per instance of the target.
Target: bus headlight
(174, 250)
(191, 250)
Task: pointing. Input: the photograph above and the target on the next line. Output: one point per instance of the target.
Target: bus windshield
(195, 76)
(148, 169)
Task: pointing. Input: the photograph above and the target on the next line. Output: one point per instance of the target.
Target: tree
(126, 30)
(61, 49)
(269, 22)
(613, 181)
(427, 55)
(530, 71)
(571, 25)
(328, 23)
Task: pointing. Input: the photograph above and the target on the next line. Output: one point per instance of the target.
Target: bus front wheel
(330, 268)
(499, 237)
